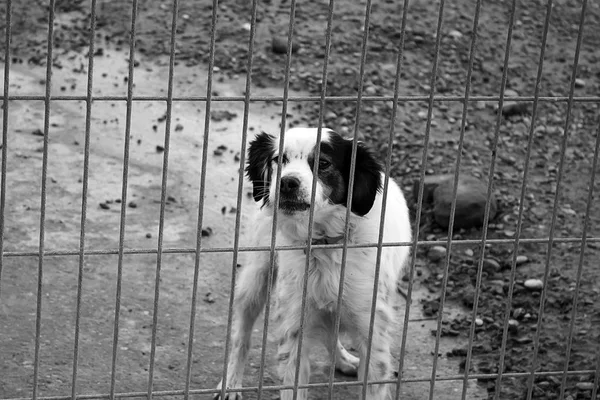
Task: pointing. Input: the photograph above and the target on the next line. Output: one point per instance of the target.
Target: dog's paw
(228, 396)
(347, 364)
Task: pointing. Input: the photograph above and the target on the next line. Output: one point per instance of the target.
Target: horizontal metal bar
(180, 250)
(309, 385)
(555, 99)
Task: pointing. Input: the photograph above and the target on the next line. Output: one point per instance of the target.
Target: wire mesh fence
(532, 372)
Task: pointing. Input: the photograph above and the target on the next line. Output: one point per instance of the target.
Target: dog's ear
(367, 179)
(258, 169)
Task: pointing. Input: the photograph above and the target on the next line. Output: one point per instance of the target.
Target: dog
(329, 226)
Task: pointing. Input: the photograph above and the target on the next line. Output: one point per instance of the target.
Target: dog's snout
(289, 184)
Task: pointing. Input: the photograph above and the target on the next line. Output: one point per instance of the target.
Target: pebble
(491, 265)
(579, 83)
(422, 114)
(469, 253)
(330, 115)
(585, 385)
(279, 45)
(455, 34)
(534, 284)
(436, 253)
(478, 321)
(522, 260)
(513, 325)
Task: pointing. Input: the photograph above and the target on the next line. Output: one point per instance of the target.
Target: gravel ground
(562, 273)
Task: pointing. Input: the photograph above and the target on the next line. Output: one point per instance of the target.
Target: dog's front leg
(380, 361)
(250, 297)
(287, 318)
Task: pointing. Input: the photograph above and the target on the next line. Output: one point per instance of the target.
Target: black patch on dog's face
(334, 171)
(259, 169)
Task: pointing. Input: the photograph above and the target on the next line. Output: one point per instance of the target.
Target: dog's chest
(323, 279)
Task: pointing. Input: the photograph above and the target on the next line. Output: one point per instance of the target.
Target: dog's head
(297, 161)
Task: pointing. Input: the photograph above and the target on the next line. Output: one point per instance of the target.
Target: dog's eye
(324, 164)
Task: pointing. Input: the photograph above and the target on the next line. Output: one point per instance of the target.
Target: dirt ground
(18, 284)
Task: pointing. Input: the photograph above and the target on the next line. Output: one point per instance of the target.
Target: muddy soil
(559, 271)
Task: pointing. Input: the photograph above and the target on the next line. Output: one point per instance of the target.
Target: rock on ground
(471, 197)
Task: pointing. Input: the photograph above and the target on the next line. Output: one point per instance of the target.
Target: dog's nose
(289, 184)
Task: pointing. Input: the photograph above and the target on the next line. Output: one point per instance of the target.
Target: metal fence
(43, 253)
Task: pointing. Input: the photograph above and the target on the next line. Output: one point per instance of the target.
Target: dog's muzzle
(289, 190)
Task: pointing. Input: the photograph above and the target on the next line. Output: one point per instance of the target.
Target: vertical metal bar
(163, 199)
(488, 199)
(47, 94)
(588, 210)
(84, 194)
(211, 65)
(313, 192)
(411, 271)
(586, 224)
(422, 175)
(521, 210)
(5, 131)
(113, 374)
(424, 167)
(597, 375)
(388, 163)
(453, 206)
(286, 89)
(565, 139)
(350, 190)
(240, 189)
(522, 197)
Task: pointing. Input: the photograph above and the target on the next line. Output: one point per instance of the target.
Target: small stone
(518, 313)
(279, 45)
(436, 253)
(148, 235)
(522, 260)
(491, 266)
(534, 284)
(222, 115)
(178, 127)
(585, 385)
(513, 325)
(469, 253)
(579, 83)
(104, 206)
(208, 298)
(132, 204)
(455, 34)
(330, 115)
(246, 26)
(480, 105)
(422, 114)
(511, 108)
(159, 149)
(206, 232)
(478, 322)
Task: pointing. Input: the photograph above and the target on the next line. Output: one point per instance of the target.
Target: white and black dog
(297, 162)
